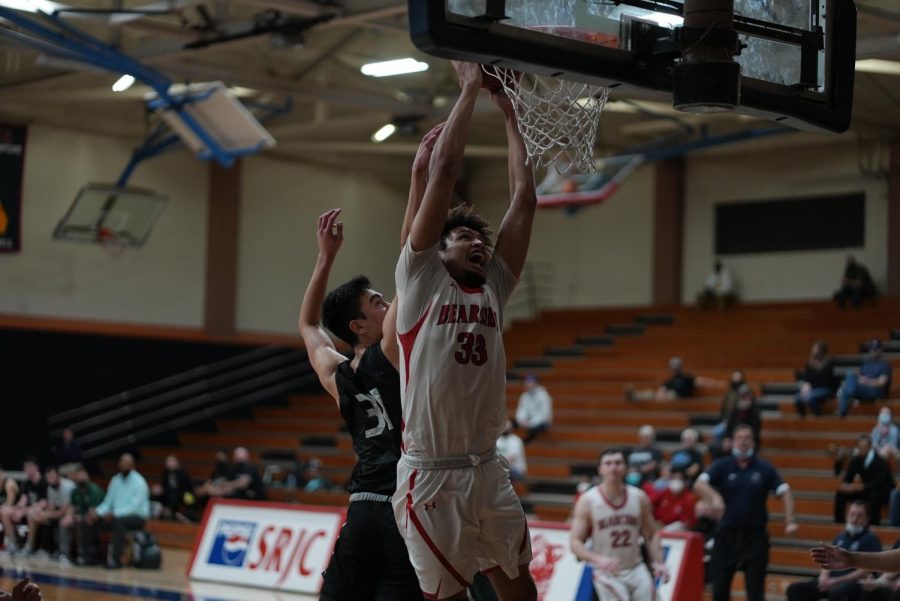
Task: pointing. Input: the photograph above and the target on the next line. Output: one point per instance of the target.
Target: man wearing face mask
(843, 584)
(125, 508)
(674, 506)
(886, 435)
(746, 411)
(736, 489)
(867, 478)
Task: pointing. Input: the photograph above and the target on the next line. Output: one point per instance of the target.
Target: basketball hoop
(556, 117)
(111, 241)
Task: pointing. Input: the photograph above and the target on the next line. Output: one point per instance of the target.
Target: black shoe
(112, 565)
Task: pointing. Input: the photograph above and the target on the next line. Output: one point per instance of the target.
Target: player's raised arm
(390, 346)
(322, 354)
(514, 236)
(446, 162)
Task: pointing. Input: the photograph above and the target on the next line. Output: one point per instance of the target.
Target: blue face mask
(742, 455)
(633, 478)
(884, 418)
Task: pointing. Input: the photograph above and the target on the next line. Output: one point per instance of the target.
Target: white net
(556, 117)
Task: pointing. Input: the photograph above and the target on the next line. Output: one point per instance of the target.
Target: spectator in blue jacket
(841, 585)
(873, 381)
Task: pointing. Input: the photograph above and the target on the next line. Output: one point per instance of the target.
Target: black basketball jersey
(370, 404)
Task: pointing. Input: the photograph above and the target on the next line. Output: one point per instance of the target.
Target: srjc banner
(286, 548)
(12, 161)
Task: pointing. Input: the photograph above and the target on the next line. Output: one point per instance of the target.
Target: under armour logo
(432, 505)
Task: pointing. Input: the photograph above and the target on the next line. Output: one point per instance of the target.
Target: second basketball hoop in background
(556, 117)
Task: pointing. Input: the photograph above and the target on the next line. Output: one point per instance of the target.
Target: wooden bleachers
(586, 370)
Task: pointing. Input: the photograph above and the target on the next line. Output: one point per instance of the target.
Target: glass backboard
(796, 57)
(104, 212)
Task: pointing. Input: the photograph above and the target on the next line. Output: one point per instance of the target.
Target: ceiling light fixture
(31, 6)
(384, 133)
(875, 65)
(400, 66)
(123, 83)
(666, 20)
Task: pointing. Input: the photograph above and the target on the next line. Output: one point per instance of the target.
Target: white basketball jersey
(616, 529)
(453, 363)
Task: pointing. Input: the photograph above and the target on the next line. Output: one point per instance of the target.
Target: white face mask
(854, 530)
(676, 486)
(742, 454)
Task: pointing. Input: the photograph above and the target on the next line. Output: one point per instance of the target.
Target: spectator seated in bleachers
(816, 380)
(9, 493)
(745, 412)
(867, 478)
(886, 436)
(244, 481)
(718, 289)
(728, 403)
(86, 496)
(872, 383)
(688, 458)
(841, 585)
(644, 460)
(886, 587)
(175, 493)
(856, 284)
(32, 492)
(315, 480)
(512, 448)
(126, 508)
(673, 506)
(680, 385)
(534, 412)
(44, 518)
(214, 485)
(68, 454)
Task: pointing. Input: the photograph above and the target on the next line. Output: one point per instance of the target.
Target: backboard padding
(219, 113)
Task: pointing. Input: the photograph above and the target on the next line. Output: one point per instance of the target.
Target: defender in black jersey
(370, 561)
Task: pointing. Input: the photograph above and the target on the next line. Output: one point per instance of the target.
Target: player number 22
(473, 349)
(620, 538)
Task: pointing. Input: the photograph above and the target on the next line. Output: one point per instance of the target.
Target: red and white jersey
(453, 365)
(616, 529)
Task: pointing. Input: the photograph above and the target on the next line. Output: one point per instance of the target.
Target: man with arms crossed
(370, 560)
(454, 504)
(615, 516)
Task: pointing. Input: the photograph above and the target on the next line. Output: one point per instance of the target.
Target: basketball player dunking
(615, 516)
(454, 504)
(370, 561)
